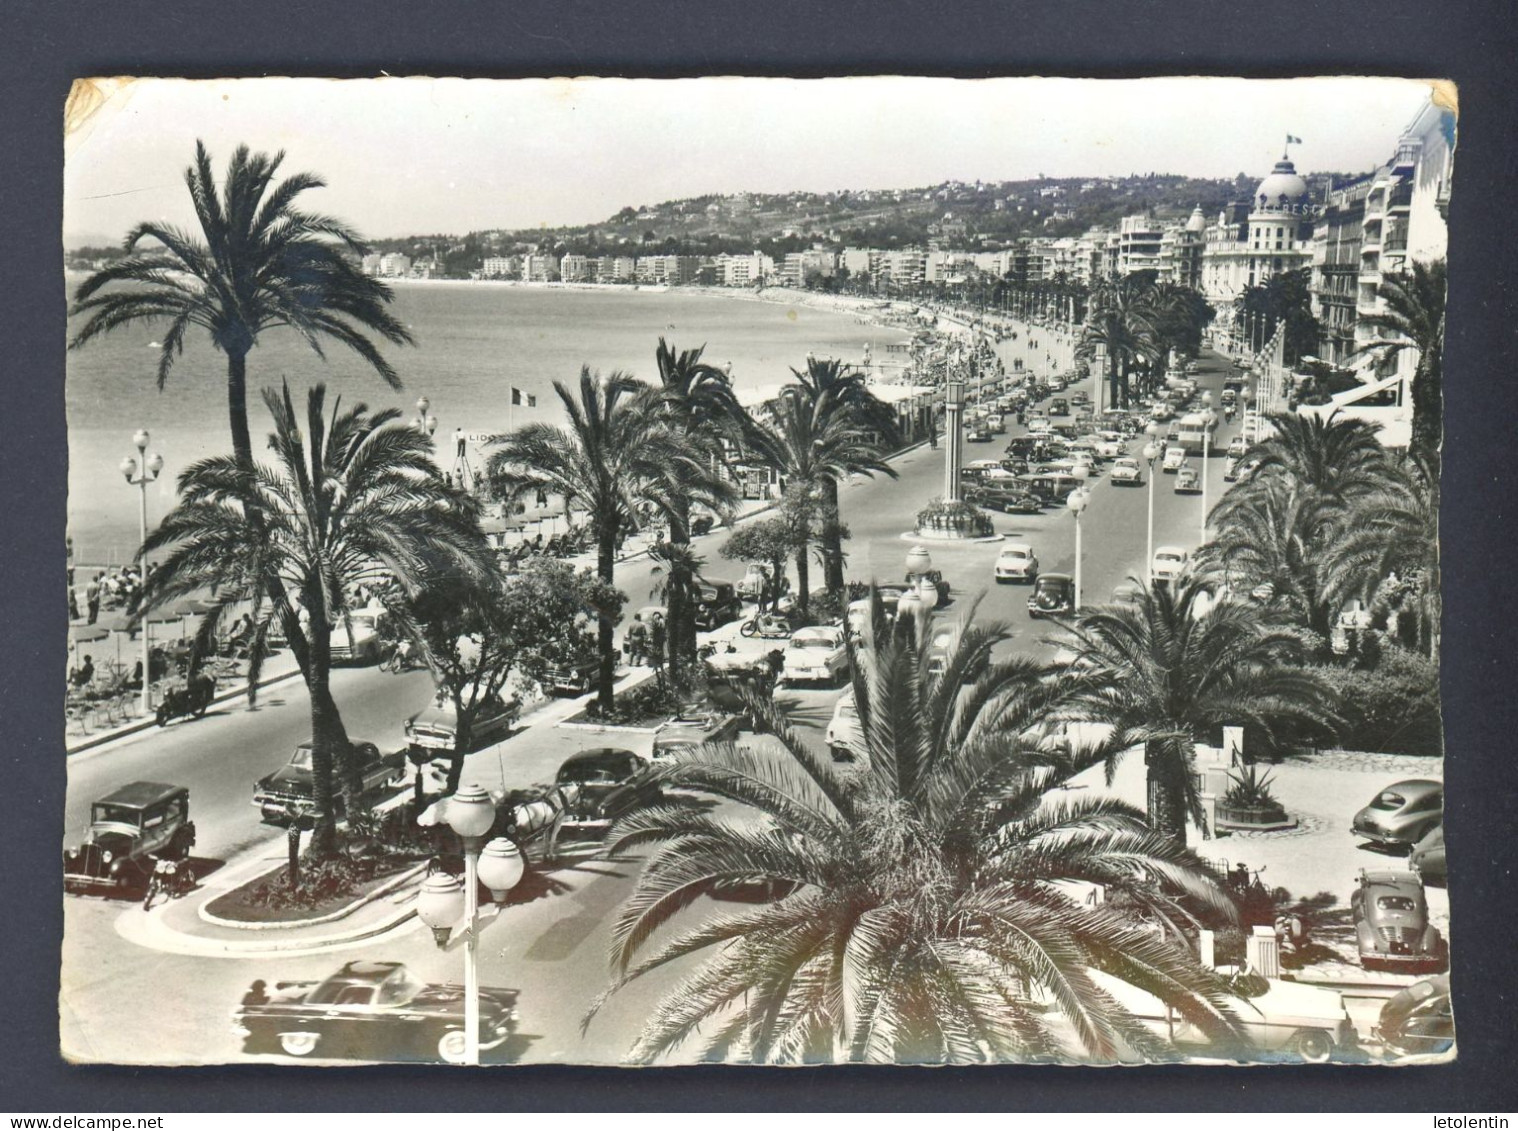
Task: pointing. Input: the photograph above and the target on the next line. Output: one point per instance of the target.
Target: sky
(404, 156)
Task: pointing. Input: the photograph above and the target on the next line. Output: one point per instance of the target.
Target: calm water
(474, 343)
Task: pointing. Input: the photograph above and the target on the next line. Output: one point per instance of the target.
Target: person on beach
(73, 600)
(92, 596)
(81, 676)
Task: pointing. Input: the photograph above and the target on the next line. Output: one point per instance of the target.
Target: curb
(607, 728)
(390, 885)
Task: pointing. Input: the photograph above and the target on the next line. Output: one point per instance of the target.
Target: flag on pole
(516, 395)
(532, 400)
(1293, 140)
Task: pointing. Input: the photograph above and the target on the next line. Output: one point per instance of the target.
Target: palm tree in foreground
(258, 262)
(350, 497)
(1165, 672)
(917, 908)
(1413, 318)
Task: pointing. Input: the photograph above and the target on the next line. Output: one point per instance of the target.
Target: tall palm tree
(702, 409)
(349, 496)
(917, 910)
(615, 457)
(1333, 455)
(1118, 319)
(1413, 318)
(813, 442)
(1162, 670)
(258, 262)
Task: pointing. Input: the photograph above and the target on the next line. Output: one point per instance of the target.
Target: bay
(475, 342)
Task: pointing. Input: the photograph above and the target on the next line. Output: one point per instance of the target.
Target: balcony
(1406, 158)
(1402, 199)
(1395, 241)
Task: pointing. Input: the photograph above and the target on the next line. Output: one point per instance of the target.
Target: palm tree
(1334, 455)
(850, 397)
(702, 410)
(1413, 318)
(918, 910)
(1120, 321)
(1162, 670)
(616, 457)
(349, 497)
(813, 442)
(258, 263)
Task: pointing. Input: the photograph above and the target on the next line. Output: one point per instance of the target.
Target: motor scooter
(767, 627)
(191, 699)
(172, 878)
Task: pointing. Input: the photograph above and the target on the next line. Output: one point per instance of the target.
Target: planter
(1260, 818)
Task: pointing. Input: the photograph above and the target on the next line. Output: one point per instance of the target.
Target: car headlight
(73, 854)
(106, 857)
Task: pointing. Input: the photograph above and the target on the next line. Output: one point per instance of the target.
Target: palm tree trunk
(1112, 379)
(323, 747)
(606, 563)
(682, 622)
(237, 407)
(1428, 410)
(1166, 801)
(832, 538)
(803, 583)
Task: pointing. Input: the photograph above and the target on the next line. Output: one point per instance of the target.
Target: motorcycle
(402, 658)
(172, 878)
(767, 627)
(191, 699)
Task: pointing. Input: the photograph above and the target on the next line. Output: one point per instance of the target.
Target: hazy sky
(411, 156)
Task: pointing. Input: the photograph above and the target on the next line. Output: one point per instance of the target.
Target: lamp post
(1077, 501)
(1209, 420)
(425, 422)
(1151, 453)
(140, 470)
(443, 898)
(954, 403)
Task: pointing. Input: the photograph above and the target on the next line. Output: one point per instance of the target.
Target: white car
(1016, 562)
(938, 648)
(998, 475)
(358, 638)
(1040, 424)
(1162, 412)
(1188, 481)
(1175, 458)
(1127, 473)
(1290, 1020)
(844, 736)
(1110, 447)
(815, 655)
(1237, 447)
(1169, 562)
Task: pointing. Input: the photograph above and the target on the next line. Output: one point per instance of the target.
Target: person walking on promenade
(92, 597)
(73, 602)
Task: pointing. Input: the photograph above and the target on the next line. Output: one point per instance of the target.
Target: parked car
(374, 1010)
(1428, 857)
(1237, 447)
(1016, 562)
(609, 782)
(1231, 469)
(1127, 473)
(1418, 1021)
(130, 828)
(816, 655)
(692, 727)
(360, 637)
(1053, 595)
(754, 580)
(1175, 458)
(573, 678)
(978, 435)
(1006, 500)
(436, 726)
(1392, 930)
(996, 423)
(1279, 1019)
(1059, 406)
(290, 791)
(1188, 481)
(1169, 563)
(717, 604)
(1401, 814)
(844, 737)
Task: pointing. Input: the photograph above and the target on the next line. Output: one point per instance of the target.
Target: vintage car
(1127, 473)
(1169, 563)
(816, 655)
(1175, 458)
(717, 604)
(692, 727)
(373, 1010)
(1418, 1021)
(290, 791)
(435, 728)
(574, 678)
(129, 829)
(1427, 857)
(1059, 406)
(606, 782)
(755, 577)
(1401, 814)
(1109, 445)
(996, 423)
(1053, 595)
(1279, 1020)
(978, 435)
(1392, 930)
(1231, 469)
(844, 737)
(359, 637)
(1016, 562)
(1006, 500)
(1237, 447)
(1188, 481)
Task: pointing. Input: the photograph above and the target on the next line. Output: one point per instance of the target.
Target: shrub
(940, 517)
(1391, 708)
(1250, 790)
(322, 881)
(650, 700)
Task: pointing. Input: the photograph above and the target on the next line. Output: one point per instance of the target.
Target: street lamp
(954, 403)
(1151, 453)
(140, 470)
(1077, 502)
(1209, 421)
(470, 813)
(425, 423)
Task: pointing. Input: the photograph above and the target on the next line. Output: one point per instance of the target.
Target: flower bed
(646, 705)
(956, 519)
(326, 888)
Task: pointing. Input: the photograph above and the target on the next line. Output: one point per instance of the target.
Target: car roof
(1020, 547)
(365, 972)
(818, 631)
(1418, 787)
(1158, 550)
(597, 753)
(141, 794)
(1055, 578)
(1392, 879)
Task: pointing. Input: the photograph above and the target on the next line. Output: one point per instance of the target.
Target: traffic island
(329, 890)
(954, 520)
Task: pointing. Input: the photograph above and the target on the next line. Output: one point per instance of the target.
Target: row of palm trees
(1139, 321)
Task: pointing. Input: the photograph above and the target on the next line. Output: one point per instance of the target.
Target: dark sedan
(1008, 502)
(1053, 595)
(611, 782)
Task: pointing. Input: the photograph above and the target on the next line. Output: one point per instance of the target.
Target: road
(552, 943)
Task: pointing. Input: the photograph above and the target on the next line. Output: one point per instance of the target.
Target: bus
(1191, 431)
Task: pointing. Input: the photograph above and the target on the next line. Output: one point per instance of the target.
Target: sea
(475, 343)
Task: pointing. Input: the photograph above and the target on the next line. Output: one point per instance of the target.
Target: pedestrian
(933, 437)
(92, 596)
(256, 994)
(84, 673)
(73, 601)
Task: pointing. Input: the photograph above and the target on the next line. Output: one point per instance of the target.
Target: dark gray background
(43, 45)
